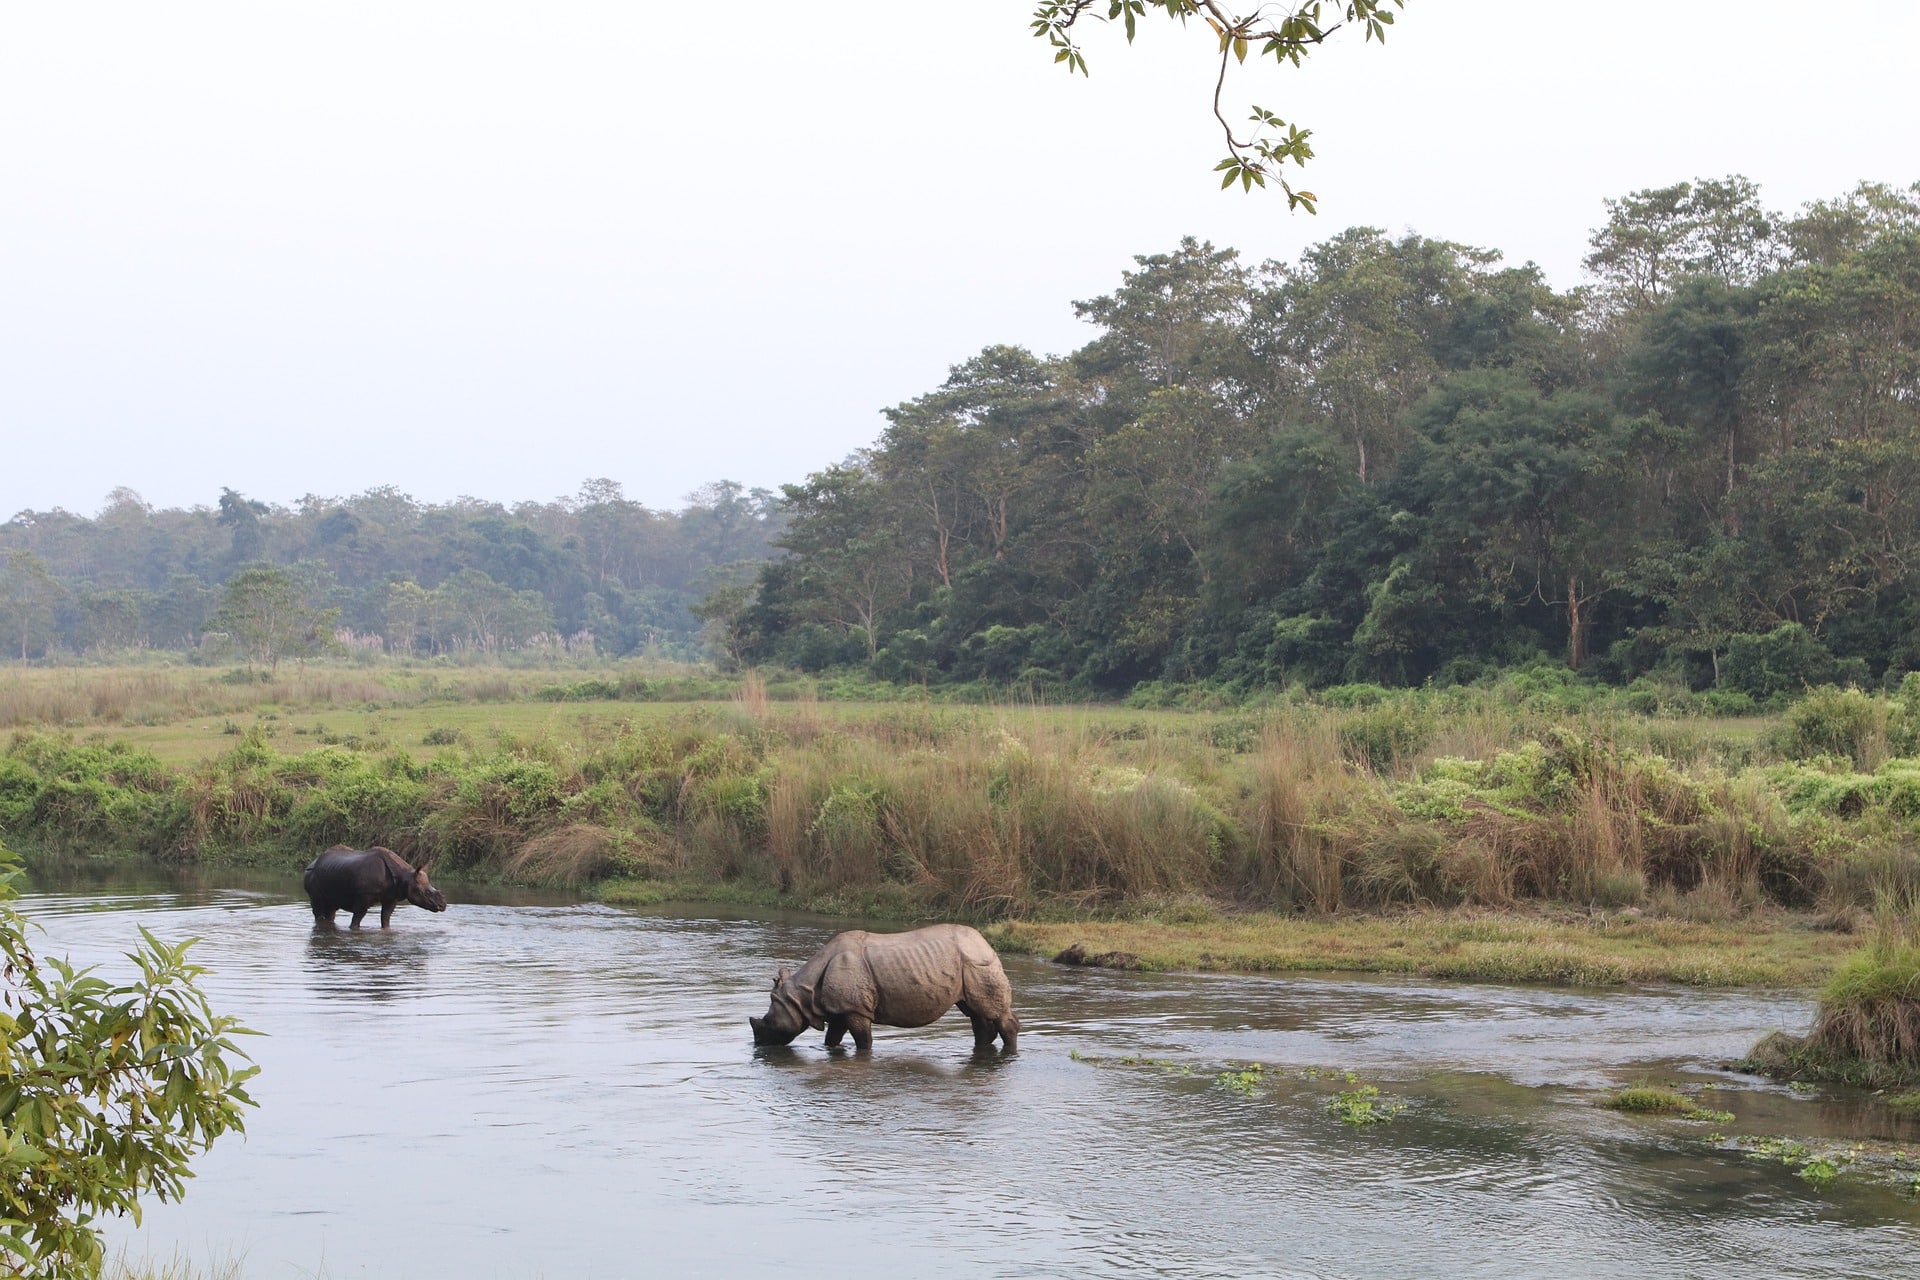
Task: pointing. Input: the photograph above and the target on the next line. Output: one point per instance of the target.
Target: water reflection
(569, 1090)
(378, 964)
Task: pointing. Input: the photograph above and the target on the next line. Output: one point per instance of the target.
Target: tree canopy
(596, 571)
(1398, 459)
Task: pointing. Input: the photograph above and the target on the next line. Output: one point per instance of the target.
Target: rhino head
(789, 1013)
(420, 892)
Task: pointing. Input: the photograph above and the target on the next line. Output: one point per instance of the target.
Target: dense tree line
(595, 571)
(1400, 460)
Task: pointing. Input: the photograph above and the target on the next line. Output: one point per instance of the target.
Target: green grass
(1768, 950)
(1866, 1029)
(1652, 1100)
(1649, 1100)
(1450, 833)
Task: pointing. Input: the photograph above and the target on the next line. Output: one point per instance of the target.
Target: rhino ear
(782, 976)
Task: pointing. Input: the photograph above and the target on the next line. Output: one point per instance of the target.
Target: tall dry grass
(74, 697)
(110, 697)
(1315, 809)
(985, 820)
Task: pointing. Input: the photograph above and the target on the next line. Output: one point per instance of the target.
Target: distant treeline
(596, 571)
(1399, 461)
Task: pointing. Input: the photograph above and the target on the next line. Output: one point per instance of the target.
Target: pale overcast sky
(488, 249)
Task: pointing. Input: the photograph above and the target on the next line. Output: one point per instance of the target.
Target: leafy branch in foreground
(105, 1092)
(1285, 34)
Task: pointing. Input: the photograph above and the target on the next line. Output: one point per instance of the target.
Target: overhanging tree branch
(1285, 34)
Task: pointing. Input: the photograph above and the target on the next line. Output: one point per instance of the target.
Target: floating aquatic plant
(1363, 1106)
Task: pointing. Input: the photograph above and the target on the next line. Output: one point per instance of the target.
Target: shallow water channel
(531, 1086)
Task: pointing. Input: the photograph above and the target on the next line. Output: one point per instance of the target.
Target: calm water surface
(545, 1088)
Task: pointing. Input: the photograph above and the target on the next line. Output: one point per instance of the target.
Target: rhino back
(346, 878)
(920, 975)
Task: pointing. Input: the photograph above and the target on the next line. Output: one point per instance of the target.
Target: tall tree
(28, 593)
(242, 515)
(1656, 237)
(269, 618)
(1532, 486)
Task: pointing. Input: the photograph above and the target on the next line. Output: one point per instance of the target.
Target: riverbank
(1549, 943)
(1452, 833)
(1776, 950)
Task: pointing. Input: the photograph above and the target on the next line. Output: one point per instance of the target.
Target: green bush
(1836, 722)
(1382, 735)
(1787, 659)
(109, 1092)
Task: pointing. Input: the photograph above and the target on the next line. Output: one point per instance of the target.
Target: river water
(529, 1087)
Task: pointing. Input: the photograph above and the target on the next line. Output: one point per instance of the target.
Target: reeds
(990, 810)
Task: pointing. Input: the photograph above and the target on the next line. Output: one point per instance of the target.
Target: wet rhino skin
(345, 879)
(897, 980)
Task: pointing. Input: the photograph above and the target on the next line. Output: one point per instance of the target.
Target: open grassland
(163, 693)
(1612, 846)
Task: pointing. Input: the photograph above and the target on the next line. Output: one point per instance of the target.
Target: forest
(1401, 461)
(1396, 461)
(596, 573)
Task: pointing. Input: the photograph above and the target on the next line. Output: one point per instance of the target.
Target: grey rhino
(357, 880)
(896, 980)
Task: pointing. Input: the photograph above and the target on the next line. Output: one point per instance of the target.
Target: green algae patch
(1652, 1100)
(1647, 1100)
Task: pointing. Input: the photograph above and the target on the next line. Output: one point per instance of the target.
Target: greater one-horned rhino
(896, 980)
(343, 879)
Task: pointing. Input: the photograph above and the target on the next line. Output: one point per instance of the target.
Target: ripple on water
(564, 1089)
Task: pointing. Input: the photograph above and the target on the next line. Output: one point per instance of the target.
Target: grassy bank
(1765, 949)
(1284, 820)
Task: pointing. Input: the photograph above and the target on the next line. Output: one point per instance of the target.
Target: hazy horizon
(465, 250)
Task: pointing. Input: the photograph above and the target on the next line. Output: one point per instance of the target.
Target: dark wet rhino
(896, 980)
(343, 879)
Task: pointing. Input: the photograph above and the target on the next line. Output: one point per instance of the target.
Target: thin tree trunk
(1576, 626)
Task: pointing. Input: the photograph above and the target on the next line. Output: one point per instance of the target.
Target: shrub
(1869, 1012)
(1384, 735)
(1787, 659)
(1836, 722)
(110, 1091)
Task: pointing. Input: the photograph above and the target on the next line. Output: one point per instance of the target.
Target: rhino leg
(358, 916)
(386, 913)
(983, 1028)
(983, 1033)
(322, 919)
(862, 1029)
(836, 1030)
(1009, 1032)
